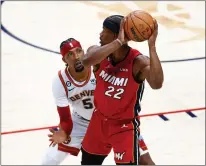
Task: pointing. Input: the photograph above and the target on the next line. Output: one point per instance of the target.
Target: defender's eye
(70, 54)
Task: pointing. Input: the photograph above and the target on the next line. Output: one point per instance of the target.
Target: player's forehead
(75, 49)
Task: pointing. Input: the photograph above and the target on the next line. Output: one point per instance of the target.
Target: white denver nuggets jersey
(80, 94)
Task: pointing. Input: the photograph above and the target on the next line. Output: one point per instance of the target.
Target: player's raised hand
(122, 36)
(153, 37)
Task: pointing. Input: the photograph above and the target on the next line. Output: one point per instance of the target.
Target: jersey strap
(63, 83)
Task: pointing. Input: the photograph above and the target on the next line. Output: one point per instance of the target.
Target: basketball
(139, 25)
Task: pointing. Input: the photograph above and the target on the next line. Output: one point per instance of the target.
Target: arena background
(31, 33)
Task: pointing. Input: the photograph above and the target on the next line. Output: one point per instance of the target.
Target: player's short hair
(113, 23)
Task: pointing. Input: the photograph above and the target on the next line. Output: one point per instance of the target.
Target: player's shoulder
(58, 85)
(56, 81)
(141, 60)
(141, 57)
(57, 73)
(138, 56)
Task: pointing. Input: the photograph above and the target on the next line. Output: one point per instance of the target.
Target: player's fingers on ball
(124, 20)
(122, 24)
(50, 135)
(154, 20)
(155, 23)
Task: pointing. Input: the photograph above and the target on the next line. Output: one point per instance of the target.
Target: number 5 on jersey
(116, 92)
(87, 103)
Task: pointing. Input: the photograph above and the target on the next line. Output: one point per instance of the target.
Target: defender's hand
(57, 137)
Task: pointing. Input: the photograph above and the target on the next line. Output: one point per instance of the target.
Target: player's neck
(79, 76)
(120, 54)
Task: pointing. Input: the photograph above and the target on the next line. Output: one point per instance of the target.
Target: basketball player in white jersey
(73, 90)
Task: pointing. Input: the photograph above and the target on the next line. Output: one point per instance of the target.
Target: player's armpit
(140, 68)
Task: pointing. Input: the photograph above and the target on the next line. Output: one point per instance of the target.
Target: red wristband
(65, 119)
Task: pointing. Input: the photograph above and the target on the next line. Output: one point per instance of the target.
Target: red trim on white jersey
(63, 82)
(71, 80)
(72, 150)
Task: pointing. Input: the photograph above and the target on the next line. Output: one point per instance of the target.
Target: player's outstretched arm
(150, 68)
(95, 54)
(64, 112)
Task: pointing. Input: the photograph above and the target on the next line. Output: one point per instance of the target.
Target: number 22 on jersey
(115, 93)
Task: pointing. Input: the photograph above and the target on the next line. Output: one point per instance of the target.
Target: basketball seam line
(136, 28)
(144, 22)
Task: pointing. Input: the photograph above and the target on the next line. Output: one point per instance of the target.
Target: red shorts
(102, 135)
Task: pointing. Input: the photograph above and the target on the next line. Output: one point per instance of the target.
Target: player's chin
(79, 69)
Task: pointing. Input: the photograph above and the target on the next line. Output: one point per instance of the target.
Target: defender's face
(107, 36)
(73, 57)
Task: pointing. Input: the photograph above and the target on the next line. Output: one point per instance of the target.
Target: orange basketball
(139, 25)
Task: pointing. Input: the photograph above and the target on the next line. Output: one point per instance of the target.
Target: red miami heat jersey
(117, 96)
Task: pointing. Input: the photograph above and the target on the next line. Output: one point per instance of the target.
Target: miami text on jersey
(112, 79)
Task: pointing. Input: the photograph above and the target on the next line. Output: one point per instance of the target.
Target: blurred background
(31, 33)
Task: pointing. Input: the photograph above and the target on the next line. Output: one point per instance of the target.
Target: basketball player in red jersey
(78, 119)
(120, 81)
(114, 124)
